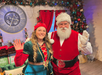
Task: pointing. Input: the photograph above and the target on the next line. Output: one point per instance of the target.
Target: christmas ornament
(26, 34)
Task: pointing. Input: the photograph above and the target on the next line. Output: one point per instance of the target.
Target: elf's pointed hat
(39, 24)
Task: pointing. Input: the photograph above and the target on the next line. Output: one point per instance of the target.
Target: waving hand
(18, 45)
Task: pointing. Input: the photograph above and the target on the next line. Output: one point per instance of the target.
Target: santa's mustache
(64, 28)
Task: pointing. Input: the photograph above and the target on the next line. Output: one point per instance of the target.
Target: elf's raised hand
(18, 45)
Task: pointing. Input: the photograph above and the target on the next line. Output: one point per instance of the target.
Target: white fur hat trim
(52, 41)
(63, 17)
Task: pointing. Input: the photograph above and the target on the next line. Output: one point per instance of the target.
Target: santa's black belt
(66, 63)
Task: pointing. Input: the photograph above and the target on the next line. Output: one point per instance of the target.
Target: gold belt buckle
(60, 63)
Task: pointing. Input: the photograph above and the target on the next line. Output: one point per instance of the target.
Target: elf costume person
(38, 50)
(66, 46)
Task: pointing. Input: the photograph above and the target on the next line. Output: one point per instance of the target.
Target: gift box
(11, 58)
(11, 50)
(3, 60)
(16, 71)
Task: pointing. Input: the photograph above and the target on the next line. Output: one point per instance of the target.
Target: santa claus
(66, 46)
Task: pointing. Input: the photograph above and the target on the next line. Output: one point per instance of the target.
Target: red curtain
(46, 16)
(56, 14)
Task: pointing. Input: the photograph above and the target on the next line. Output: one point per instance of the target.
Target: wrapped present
(11, 50)
(3, 61)
(2, 73)
(16, 71)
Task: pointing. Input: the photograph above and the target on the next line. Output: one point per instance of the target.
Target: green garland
(75, 6)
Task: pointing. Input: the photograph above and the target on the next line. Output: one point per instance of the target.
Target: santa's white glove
(84, 38)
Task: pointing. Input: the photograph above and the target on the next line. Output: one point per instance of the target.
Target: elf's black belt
(67, 63)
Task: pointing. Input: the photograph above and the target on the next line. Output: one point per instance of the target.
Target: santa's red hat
(39, 24)
(63, 17)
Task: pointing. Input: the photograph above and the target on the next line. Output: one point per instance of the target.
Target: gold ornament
(87, 26)
(46, 3)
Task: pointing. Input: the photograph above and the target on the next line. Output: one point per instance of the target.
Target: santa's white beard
(64, 35)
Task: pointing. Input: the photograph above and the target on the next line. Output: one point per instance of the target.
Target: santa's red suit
(68, 51)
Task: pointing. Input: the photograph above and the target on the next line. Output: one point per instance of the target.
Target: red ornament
(78, 13)
(78, 19)
(38, 19)
(74, 6)
(82, 26)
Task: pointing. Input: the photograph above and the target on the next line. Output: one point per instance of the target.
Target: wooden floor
(91, 68)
